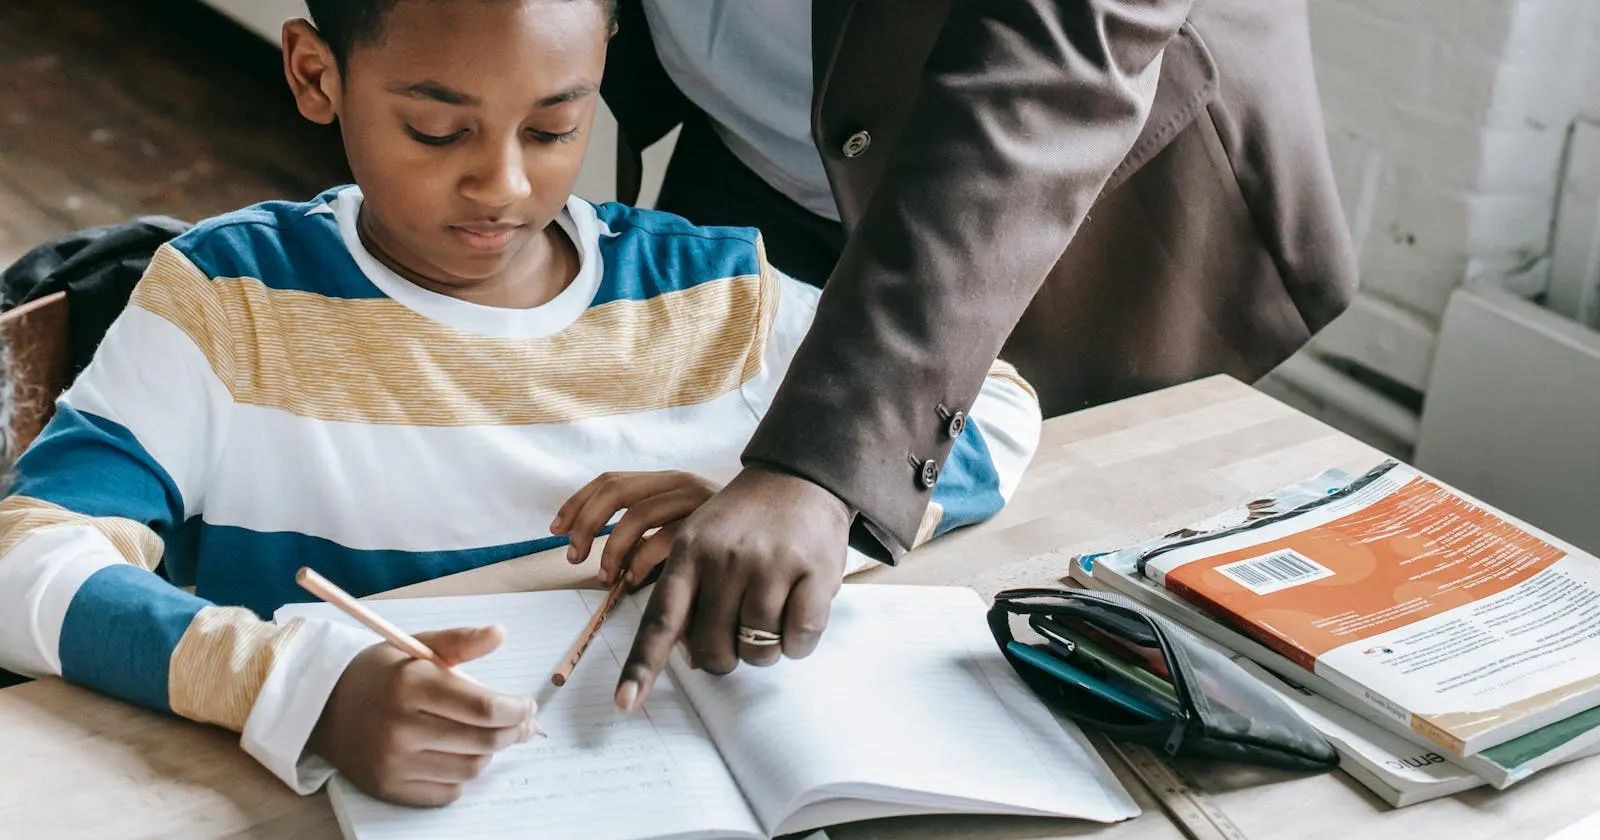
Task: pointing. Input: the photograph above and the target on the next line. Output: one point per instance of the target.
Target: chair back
(35, 334)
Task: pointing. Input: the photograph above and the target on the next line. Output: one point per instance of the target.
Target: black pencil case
(1222, 712)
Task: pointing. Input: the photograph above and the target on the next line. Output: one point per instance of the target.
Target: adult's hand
(767, 553)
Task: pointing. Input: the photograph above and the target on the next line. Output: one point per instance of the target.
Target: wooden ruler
(1196, 815)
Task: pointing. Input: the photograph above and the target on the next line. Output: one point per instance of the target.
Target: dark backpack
(97, 268)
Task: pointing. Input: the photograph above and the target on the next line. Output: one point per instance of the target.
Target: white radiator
(1513, 412)
(1575, 238)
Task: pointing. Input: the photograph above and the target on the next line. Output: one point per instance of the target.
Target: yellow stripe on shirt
(376, 361)
(221, 662)
(771, 289)
(932, 515)
(1008, 372)
(177, 290)
(21, 516)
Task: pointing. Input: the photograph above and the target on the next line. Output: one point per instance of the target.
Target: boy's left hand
(653, 500)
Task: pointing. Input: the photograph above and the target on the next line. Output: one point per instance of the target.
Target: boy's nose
(500, 178)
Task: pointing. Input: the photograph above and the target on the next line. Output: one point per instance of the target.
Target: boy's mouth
(487, 236)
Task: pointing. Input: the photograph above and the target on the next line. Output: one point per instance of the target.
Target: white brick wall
(1447, 122)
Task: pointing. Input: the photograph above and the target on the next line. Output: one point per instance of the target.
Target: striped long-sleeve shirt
(274, 397)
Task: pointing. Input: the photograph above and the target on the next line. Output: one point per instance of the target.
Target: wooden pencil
(590, 630)
(325, 589)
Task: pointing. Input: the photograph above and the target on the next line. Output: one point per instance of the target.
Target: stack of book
(1438, 643)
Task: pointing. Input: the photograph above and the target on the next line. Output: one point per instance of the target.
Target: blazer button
(857, 144)
(958, 424)
(930, 474)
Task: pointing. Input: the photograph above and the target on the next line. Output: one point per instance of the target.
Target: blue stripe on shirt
(256, 242)
(256, 569)
(119, 633)
(650, 253)
(969, 487)
(127, 480)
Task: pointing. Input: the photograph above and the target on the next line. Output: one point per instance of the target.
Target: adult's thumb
(463, 644)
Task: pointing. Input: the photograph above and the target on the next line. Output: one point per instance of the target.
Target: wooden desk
(77, 765)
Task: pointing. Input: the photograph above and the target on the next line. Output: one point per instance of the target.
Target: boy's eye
(553, 136)
(435, 139)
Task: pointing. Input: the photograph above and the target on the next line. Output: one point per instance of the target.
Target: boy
(400, 380)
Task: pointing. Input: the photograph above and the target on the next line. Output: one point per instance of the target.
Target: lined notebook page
(907, 701)
(599, 774)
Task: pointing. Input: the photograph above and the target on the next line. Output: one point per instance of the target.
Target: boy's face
(466, 124)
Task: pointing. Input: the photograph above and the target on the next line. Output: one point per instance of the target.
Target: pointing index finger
(665, 616)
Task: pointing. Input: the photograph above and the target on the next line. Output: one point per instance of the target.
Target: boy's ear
(313, 75)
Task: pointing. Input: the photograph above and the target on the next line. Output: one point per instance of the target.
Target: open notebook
(907, 707)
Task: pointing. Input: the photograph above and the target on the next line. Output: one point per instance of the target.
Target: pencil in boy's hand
(590, 630)
(328, 591)
(325, 589)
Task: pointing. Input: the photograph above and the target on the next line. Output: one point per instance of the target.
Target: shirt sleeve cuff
(877, 543)
(856, 561)
(290, 702)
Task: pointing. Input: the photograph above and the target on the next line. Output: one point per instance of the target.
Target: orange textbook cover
(1469, 626)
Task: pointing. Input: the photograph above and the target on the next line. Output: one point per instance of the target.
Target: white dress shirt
(747, 65)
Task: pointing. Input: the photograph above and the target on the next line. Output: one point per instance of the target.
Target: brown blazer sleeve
(1025, 107)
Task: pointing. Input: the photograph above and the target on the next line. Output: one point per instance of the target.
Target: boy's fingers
(578, 512)
(662, 625)
(430, 766)
(611, 493)
(624, 538)
(572, 506)
(422, 794)
(585, 526)
(456, 700)
(455, 697)
(648, 555)
(605, 496)
(463, 644)
(652, 512)
(444, 735)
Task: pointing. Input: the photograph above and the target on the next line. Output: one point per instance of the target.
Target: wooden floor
(111, 109)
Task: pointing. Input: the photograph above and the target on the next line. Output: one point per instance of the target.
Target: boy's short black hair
(346, 23)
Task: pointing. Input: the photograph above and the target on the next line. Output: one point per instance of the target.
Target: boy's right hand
(410, 732)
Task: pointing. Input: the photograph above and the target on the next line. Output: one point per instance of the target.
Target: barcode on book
(1272, 572)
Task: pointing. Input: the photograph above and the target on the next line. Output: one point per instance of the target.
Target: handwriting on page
(599, 774)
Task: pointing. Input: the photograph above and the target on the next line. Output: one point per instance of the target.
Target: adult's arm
(1025, 108)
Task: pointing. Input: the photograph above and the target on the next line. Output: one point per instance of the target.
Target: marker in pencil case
(1090, 656)
(1148, 657)
(1140, 704)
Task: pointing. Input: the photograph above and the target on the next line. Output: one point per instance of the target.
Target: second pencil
(590, 630)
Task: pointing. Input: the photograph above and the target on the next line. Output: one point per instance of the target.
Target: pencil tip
(558, 679)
